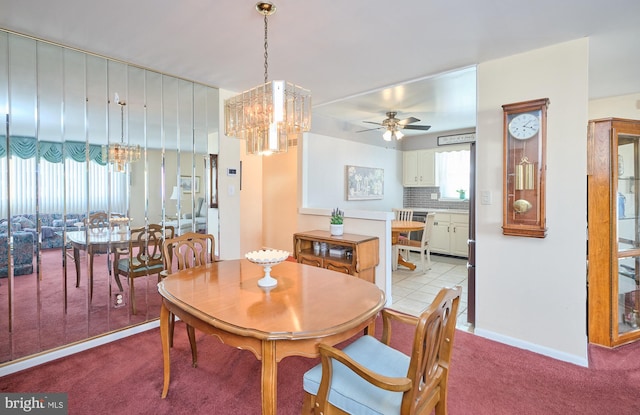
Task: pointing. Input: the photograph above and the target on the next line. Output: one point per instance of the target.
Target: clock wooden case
(524, 168)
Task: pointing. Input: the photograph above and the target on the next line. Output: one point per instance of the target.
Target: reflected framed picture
(190, 184)
(213, 180)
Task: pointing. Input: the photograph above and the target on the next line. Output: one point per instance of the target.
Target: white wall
(323, 173)
(625, 106)
(280, 199)
(229, 203)
(531, 292)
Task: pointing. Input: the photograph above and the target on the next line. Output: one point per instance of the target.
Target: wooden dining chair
(143, 257)
(371, 377)
(188, 250)
(422, 246)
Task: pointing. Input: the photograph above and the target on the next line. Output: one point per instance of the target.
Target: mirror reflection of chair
(188, 250)
(374, 378)
(144, 257)
(422, 245)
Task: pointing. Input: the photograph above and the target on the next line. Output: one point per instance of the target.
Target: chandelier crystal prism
(272, 115)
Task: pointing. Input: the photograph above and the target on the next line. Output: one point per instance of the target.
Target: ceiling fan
(394, 126)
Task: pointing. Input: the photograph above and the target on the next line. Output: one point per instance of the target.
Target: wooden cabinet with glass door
(613, 179)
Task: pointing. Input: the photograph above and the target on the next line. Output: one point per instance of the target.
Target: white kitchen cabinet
(459, 235)
(440, 234)
(450, 234)
(418, 168)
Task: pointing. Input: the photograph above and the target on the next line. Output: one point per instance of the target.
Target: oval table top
(307, 302)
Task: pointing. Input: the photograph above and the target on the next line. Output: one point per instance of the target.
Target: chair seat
(123, 265)
(350, 392)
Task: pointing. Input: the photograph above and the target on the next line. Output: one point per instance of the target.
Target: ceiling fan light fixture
(398, 134)
(387, 135)
(271, 115)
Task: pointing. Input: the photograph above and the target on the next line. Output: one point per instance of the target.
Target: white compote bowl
(267, 258)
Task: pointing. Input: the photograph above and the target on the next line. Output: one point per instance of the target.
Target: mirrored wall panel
(91, 149)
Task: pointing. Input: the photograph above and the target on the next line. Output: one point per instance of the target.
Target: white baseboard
(32, 361)
(536, 348)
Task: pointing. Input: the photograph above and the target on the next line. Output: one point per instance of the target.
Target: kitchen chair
(421, 246)
(188, 250)
(371, 377)
(144, 256)
(405, 215)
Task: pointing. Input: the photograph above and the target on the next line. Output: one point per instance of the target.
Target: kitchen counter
(439, 210)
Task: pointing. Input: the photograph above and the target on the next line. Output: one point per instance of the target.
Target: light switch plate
(485, 197)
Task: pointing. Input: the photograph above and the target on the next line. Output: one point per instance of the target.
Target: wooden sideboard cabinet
(352, 254)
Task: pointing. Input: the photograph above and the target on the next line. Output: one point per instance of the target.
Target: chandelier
(119, 154)
(271, 115)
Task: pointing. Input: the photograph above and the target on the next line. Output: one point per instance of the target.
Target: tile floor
(413, 291)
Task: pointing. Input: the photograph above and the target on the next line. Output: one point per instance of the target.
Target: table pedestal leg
(401, 261)
(269, 378)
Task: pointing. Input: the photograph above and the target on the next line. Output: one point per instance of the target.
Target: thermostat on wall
(231, 172)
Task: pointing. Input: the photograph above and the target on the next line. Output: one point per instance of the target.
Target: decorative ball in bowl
(267, 258)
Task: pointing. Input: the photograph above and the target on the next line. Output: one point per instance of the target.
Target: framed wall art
(364, 183)
(190, 184)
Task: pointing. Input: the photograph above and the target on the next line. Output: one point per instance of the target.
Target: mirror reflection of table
(93, 241)
(308, 306)
(398, 227)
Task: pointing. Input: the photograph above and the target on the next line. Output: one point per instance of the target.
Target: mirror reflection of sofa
(52, 226)
(184, 224)
(22, 253)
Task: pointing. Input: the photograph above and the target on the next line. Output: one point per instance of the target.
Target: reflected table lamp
(175, 195)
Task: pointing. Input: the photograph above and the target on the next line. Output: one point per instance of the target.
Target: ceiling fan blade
(417, 127)
(368, 129)
(371, 122)
(409, 120)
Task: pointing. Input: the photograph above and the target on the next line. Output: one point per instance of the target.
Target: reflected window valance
(25, 148)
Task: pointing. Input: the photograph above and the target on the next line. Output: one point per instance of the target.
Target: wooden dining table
(308, 306)
(402, 226)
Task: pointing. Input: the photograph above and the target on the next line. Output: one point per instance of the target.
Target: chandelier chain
(122, 104)
(266, 53)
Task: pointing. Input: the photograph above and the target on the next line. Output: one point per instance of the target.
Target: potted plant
(337, 224)
(462, 193)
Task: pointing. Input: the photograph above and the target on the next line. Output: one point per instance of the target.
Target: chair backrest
(428, 228)
(432, 346)
(403, 214)
(147, 244)
(188, 250)
(100, 220)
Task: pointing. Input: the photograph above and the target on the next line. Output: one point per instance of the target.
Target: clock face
(524, 126)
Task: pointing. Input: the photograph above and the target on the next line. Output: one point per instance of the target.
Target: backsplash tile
(420, 197)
